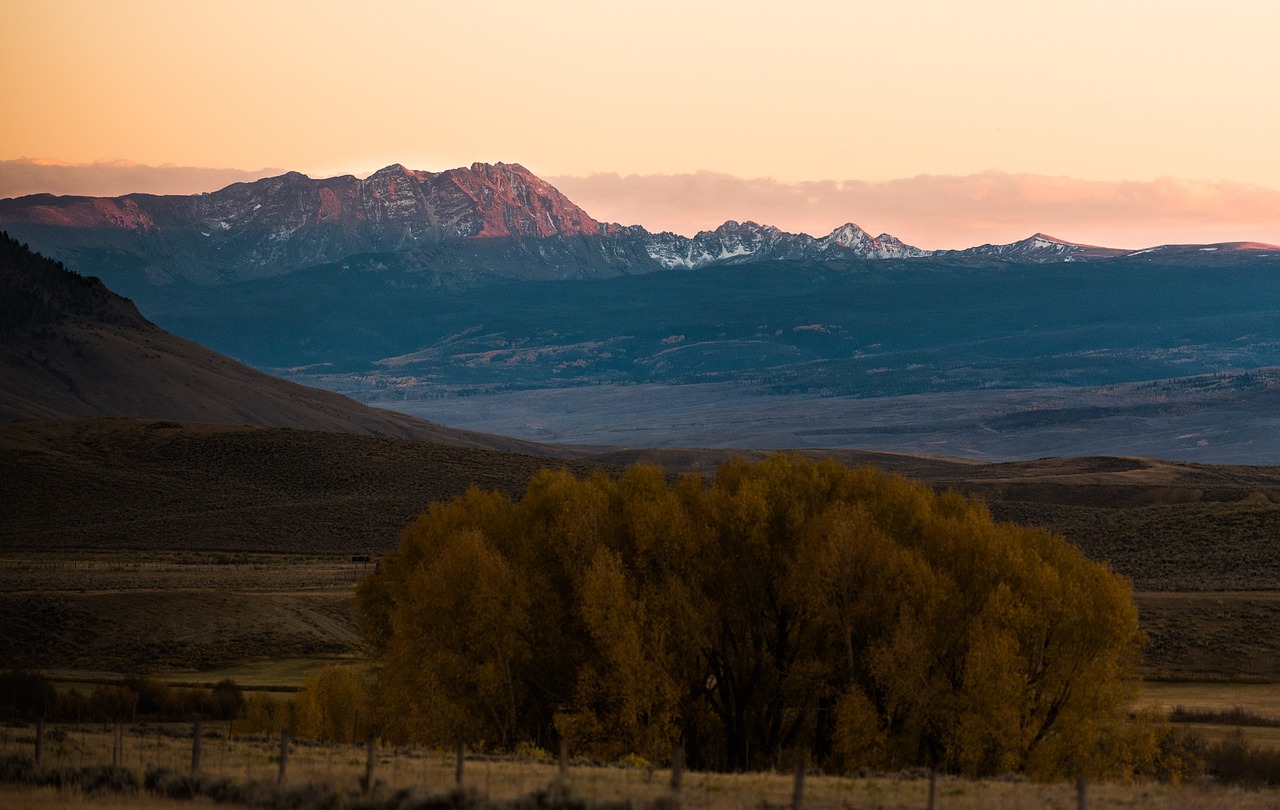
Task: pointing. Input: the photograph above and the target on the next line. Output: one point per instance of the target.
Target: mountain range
(482, 298)
(463, 226)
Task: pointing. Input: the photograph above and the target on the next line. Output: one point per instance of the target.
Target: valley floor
(994, 425)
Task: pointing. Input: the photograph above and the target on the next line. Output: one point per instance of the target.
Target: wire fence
(209, 749)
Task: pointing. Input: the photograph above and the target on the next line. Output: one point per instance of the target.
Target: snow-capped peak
(848, 235)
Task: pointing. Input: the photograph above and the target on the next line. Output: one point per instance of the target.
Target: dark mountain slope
(71, 348)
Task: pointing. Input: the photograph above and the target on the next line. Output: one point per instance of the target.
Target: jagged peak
(393, 169)
(501, 168)
(1053, 240)
(734, 226)
(280, 179)
(1044, 237)
(848, 231)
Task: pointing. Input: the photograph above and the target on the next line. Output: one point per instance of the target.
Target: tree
(26, 695)
(333, 706)
(786, 608)
(112, 703)
(227, 699)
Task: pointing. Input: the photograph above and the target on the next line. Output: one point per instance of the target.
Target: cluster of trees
(333, 706)
(30, 695)
(36, 292)
(783, 609)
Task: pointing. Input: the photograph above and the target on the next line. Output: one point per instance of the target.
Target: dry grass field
(1261, 698)
(188, 612)
(270, 619)
(166, 486)
(257, 760)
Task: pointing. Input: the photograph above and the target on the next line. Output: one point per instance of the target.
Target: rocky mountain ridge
(281, 224)
(430, 222)
(1041, 247)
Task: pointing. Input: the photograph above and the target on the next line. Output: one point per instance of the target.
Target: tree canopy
(783, 609)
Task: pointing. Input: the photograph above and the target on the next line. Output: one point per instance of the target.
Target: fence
(207, 748)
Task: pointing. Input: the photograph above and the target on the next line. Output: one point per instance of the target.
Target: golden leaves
(783, 606)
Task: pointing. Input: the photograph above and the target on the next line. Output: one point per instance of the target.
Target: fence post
(117, 747)
(564, 762)
(368, 768)
(284, 755)
(933, 789)
(797, 795)
(1082, 794)
(197, 732)
(39, 743)
(457, 774)
(677, 768)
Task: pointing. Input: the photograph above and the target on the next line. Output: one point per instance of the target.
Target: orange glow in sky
(797, 92)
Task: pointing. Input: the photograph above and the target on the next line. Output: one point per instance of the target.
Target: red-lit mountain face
(395, 203)
(281, 224)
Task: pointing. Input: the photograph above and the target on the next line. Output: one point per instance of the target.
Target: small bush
(305, 796)
(16, 768)
(178, 785)
(1236, 716)
(90, 779)
(633, 762)
(528, 752)
(1237, 761)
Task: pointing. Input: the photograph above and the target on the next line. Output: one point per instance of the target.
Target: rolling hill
(73, 348)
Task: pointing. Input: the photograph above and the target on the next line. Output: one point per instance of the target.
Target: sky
(1126, 122)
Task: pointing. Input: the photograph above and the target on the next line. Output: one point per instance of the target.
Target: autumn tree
(786, 608)
(333, 706)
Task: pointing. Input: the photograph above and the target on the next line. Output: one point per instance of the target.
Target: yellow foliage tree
(334, 706)
(785, 608)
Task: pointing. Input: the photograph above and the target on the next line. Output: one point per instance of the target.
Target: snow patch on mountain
(738, 243)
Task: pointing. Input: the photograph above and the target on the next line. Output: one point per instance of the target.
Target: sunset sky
(1125, 122)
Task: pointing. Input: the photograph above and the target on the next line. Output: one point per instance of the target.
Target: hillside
(71, 347)
(101, 483)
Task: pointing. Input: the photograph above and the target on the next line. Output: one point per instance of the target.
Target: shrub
(227, 699)
(112, 704)
(1238, 761)
(27, 695)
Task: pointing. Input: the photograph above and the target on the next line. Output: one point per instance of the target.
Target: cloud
(944, 211)
(114, 178)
